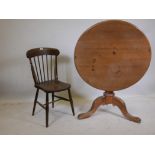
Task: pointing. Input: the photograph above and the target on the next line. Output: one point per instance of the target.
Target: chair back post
(33, 72)
(56, 69)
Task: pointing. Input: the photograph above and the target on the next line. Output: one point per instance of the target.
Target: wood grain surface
(112, 55)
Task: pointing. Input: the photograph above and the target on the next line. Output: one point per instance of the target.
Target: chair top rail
(42, 51)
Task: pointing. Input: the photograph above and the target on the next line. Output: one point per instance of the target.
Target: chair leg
(35, 102)
(52, 99)
(47, 109)
(71, 101)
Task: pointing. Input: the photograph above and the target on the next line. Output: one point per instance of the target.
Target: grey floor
(15, 118)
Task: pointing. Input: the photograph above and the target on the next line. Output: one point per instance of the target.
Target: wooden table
(111, 56)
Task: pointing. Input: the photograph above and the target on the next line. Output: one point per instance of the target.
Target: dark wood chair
(43, 63)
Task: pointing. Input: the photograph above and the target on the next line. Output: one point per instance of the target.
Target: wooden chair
(43, 63)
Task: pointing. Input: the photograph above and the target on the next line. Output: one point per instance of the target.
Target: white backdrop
(17, 36)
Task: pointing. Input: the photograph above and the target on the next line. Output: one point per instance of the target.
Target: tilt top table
(112, 55)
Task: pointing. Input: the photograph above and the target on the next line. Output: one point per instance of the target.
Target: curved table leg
(121, 105)
(109, 98)
(99, 101)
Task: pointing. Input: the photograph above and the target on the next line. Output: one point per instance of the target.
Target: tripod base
(109, 98)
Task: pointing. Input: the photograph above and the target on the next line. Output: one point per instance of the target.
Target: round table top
(112, 55)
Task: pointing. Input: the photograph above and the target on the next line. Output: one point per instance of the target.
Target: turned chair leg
(47, 109)
(35, 102)
(52, 99)
(71, 101)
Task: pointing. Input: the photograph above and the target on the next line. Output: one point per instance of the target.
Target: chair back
(43, 63)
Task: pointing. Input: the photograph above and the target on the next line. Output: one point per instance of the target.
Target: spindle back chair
(43, 63)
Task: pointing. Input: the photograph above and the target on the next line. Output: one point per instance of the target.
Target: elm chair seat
(53, 86)
(43, 63)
